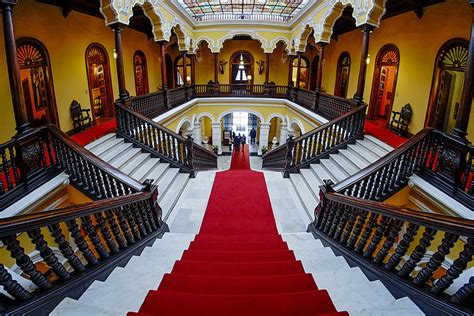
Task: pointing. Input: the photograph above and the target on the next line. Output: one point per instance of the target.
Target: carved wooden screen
(141, 73)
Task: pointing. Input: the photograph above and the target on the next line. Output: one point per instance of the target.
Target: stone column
(462, 121)
(197, 132)
(283, 133)
(366, 30)
(319, 76)
(19, 107)
(217, 136)
(123, 93)
(263, 138)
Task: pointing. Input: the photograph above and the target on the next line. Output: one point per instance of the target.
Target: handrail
(381, 238)
(149, 105)
(105, 232)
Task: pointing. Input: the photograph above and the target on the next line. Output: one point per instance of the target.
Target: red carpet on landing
(238, 264)
(378, 129)
(87, 136)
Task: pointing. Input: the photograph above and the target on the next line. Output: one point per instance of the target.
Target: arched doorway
(314, 73)
(342, 75)
(304, 73)
(179, 71)
(140, 72)
(241, 68)
(384, 83)
(446, 88)
(37, 82)
(169, 71)
(100, 83)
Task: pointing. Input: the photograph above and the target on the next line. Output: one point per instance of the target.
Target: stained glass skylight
(255, 10)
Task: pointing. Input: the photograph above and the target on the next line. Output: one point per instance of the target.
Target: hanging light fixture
(367, 61)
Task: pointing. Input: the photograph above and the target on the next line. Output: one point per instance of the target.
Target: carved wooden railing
(443, 160)
(104, 232)
(163, 143)
(179, 96)
(149, 105)
(318, 143)
(391, 242)
(35, 157)
(331, 107)
(238, 90)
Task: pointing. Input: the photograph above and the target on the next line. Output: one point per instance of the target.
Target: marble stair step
(106, 147)
(334, 169)
(321, 173)
(158, 171)
(401, 307)
(330, 280)
(310, 254)
(316, 265)
(171, 237)
(355, 159)
(380, 143)
(312, 182)
(99, 141)
(363, 153)
(71, 307)
(117, 151)
(145, 168)
(296, 242)
(344, 164)
(374, 148)
(306, 196)
(298, 236)
(122, 160)
(173, 193)
(134, 163)
(165, 182)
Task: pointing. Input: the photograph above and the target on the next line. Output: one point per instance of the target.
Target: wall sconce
(115, 54)
(249, 78)
(222, 64)
(261, 66)
(367, 61)
(188, 78)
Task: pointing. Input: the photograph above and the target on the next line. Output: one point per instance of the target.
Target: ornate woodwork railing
(332, 107)
(161, 142)
(441, 159)
(149, 105)
(318, 143)
(392, 242)
(238, 90)
(91, 237)
(179, 96)
(33, 158)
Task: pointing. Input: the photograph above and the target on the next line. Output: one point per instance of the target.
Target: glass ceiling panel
(259, 10)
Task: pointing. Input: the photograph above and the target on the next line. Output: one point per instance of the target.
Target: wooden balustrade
(318, 143)
(91, 237)
(149, 105)
(331, 107)
(391, 242)
(178, 96)
(238, 90)
(162, 142)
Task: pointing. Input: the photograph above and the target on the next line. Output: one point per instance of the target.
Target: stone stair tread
(330, 280)
(401, 307)
(363, 153)
(345, 164)
(312, 182)
(322, 173)
(123, 159)
(158, 171)
(165, 181)
(374, 148)
(173, 193)
(72, 307)
(308, 254)
(316, 265)
(306, 196)
(145, 168)
(380, 143)
(334, 169)
(117, 151)
(134, 163)
(360, 163)
(106, 146)
(99, 141)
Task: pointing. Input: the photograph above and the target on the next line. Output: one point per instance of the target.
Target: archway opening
(303, 75)
(241, 124)
(185, 129)
(37, 82)
(241, 68)
(446, 88)
(179, 71)
(384, 84)
(295, 130)
(275, 133)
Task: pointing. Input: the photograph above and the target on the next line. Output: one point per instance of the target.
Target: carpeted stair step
(303, 303)
(238, 256)
(237, 285)
(239, 238)
(237, 246)
(205, 268)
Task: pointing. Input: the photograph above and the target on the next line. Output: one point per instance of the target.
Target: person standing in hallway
(243, 140)
(236, 143)
(253, 134)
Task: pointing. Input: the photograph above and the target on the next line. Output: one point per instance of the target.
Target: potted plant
(215, 149)
(264, 150)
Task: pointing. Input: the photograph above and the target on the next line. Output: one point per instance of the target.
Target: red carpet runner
(87, 136)
(238, 264)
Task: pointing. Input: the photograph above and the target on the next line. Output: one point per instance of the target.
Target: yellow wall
(66, 40)
(418, 41)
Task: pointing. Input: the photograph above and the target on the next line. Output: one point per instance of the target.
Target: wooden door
(442, 99)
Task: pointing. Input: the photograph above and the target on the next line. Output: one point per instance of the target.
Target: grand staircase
(141, 166)
(336, 168)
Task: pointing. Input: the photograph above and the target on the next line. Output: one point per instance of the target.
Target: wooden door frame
(53, 107)
(108, 81)
(431, 109)
(252, 61)
(376, 80)
(144, 71)
(337, 88)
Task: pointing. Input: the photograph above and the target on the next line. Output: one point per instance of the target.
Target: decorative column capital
(367, 28)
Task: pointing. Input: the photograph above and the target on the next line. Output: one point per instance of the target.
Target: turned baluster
(14, 166)
(81, 243)
(376, 185)
(25, 263)
(369, 227)
(437, 259)
(465, 292)
(418, 253)
(94, 237)
(149, 215)
(381, 183)
(100, 184)
(65, 248)
(161, 141)
(395, 227)
(357, 229)
(131, 221)
(336, 220)
(138, 220)
(11, 286)
(395, 173)
(331, 209)
(142, 213)
(119, 212)
(350, 225)
(114, 227)
(47, 254)
(456, 268)
(6, 171)
(402, 247)
(104, 230)
(342, 223)
(371, 182)
(154, 138)
(377, 237)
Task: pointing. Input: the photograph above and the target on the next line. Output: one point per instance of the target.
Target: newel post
(319, 211)
(189, 144)
(290, 144)
(153, 201)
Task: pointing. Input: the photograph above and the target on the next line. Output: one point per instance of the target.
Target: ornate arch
(253, 34)
(258, 114)
(206, 114)
(184, 120)
(278, 115)
(297, 122)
